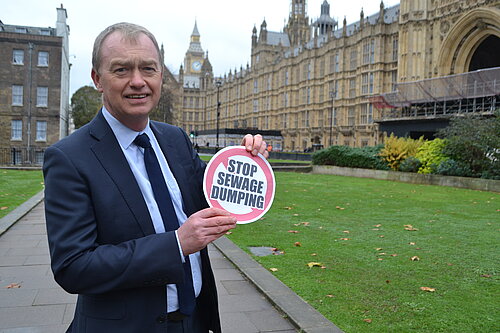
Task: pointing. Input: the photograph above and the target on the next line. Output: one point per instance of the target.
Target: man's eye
(120, 70)
(149, 69)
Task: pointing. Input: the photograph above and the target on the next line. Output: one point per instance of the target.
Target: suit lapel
(110, 155)
(169, 146)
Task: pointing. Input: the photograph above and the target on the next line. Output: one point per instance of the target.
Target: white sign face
(239, 183)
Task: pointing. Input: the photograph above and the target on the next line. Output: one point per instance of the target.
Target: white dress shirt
(135, 157)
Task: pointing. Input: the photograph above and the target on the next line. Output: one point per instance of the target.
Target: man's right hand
(203, 227)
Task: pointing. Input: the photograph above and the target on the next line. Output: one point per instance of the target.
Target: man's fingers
(210, 212)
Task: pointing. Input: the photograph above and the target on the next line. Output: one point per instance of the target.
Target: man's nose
(137, 80)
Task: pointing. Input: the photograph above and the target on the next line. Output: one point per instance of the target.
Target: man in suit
(110, 240)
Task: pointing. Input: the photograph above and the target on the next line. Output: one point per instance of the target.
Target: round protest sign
(239, 183)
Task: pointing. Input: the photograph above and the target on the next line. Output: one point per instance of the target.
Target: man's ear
(97, 80)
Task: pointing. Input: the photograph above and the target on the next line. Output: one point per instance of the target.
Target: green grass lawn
(17, 186)
(363, 234)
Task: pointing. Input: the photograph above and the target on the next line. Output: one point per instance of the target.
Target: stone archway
(486, 55)
(462, 48)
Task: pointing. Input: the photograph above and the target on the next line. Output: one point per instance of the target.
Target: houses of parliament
(405, 69)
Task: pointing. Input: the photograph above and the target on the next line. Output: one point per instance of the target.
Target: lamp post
(218, 83)
(333, 94)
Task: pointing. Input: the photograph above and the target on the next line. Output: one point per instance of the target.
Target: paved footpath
(251, 299)
(30, 300)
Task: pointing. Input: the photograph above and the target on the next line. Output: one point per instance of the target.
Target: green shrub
(344, 156)
(410, 164)
(451, 167)
(431, 155)
(475, 142)
(396, 150)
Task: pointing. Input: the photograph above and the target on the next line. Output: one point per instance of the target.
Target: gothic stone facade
(314, 82)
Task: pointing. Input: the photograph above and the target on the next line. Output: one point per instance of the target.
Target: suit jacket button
(161, 319)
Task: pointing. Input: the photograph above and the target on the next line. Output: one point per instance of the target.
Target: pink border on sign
(223, 157)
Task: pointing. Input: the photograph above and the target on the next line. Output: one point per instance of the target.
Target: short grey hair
(129, 32)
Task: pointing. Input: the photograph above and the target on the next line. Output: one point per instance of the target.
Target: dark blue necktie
(185, 291)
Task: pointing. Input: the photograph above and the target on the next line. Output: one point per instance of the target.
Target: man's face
(130, 78)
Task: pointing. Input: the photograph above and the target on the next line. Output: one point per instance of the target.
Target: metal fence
(21, 156)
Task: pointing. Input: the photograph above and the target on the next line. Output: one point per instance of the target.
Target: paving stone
(236, 303)
(22, 316)
(17, 297)
(12, 260)
(37, 260)
(53, 296)
(237, 322)
(37, 329)
(15, 271)
(238, 287)
(228, 274)
(269, 321)
(221, 263)
(69, 313)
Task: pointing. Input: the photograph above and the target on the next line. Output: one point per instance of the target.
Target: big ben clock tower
(193, 60)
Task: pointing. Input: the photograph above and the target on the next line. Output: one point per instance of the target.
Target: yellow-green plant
(430, 154)
(396, 149)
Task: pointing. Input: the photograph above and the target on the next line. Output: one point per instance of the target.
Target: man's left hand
(255, 145)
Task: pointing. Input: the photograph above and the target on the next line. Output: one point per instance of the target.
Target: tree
(85, 103)
(163, 111)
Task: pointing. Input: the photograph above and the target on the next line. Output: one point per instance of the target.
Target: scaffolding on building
(472, 92)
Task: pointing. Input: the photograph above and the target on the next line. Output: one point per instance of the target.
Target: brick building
(34, 90)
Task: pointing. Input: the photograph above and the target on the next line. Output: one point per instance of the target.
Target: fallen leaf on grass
(345, 231)
(339, 208)
(409, 227)
(367, 320)
(431, 290)
(293, 231)
(394, 255)
(330, 296)
(345, 239)
(411, 243)
(295, 214)
(229, 233)
(314, 254)
(414, 258)
(272, 269)
(314, 264)
(377, 225)
(287, 207)
(13, 286)
(298, 244)
(306, 224)
(486, 275)
(378, 249)
(3, 208)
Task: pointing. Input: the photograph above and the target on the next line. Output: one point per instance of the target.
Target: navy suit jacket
(102, 241)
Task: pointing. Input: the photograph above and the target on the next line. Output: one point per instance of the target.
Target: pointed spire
(195, 30)
(264, 24)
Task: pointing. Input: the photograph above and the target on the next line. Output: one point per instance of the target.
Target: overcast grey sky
(225, 26)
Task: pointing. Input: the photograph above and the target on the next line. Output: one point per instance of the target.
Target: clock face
(196, 65)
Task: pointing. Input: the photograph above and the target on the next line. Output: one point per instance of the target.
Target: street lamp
(333, 95)
(218, 83)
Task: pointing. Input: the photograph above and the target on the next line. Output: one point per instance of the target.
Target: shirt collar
(123, 134)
